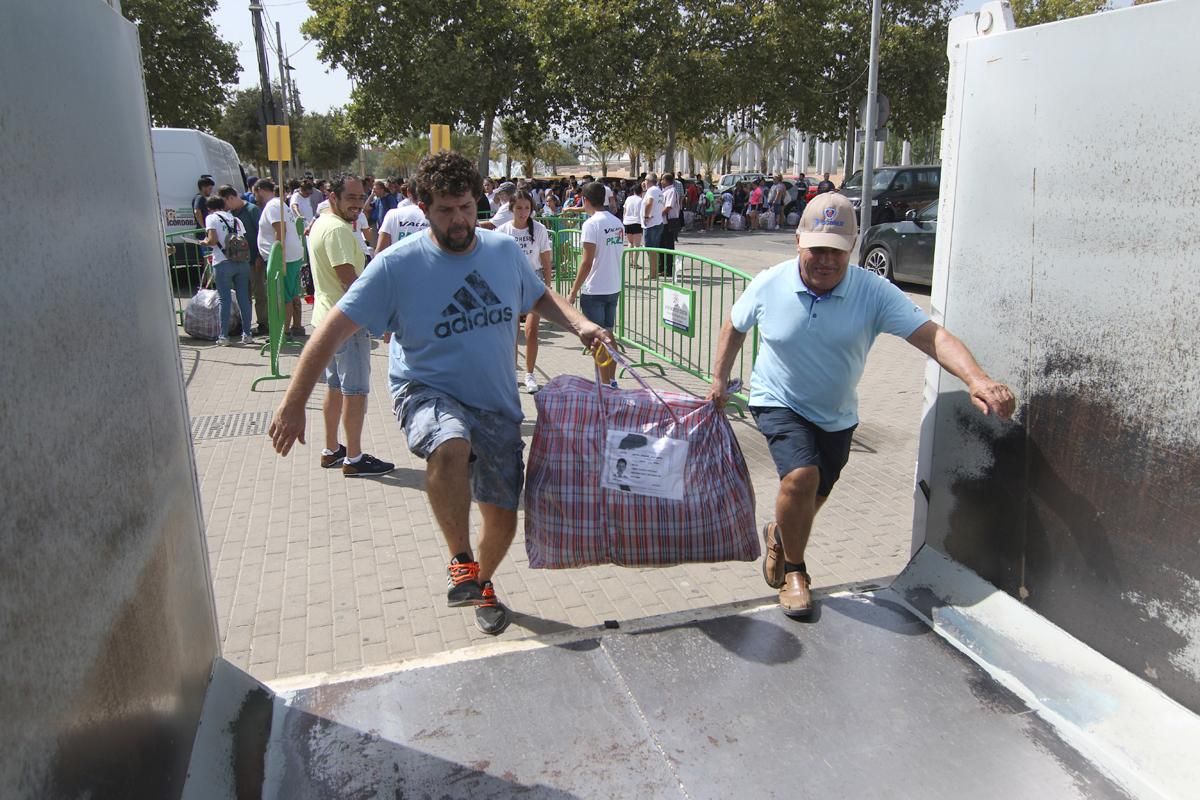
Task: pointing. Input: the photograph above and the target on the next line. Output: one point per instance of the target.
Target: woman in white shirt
(632, 218)
(231, 275)
(534, 242)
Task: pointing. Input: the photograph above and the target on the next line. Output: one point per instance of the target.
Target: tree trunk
(485, 143)
(507, 165)
(849, 159)
(669, 154)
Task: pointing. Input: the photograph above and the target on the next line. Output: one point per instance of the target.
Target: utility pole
(267, 110)
(285, 83)
(282, 73)
(871, 122)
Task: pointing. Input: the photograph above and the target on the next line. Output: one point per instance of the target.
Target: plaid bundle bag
(572, 520)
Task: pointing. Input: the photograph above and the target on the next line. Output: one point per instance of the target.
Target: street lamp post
(870, 123)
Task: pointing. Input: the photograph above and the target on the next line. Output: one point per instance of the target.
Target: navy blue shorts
(600, 308)
(795, 442)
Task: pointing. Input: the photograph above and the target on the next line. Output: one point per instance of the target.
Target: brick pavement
(316, 573)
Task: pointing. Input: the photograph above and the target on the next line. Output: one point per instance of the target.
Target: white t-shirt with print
(608, 196)
(533, 240)
(293, 250)
(726, 205)
(608, 234)
(633, 210)
(222, 222)
(401, 222)
(656, 212)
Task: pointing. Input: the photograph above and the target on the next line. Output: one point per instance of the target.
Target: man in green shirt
(337, 261)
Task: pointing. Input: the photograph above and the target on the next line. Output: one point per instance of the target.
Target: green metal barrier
(677, 320)
(567, 256)
(185, 263)
(276, 335)
(562, 221)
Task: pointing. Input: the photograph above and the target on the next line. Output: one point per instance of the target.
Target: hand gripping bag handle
(614, 355)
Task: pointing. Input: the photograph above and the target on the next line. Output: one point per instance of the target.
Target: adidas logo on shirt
(475, 306)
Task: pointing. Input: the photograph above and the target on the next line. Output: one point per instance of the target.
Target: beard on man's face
(456, 238)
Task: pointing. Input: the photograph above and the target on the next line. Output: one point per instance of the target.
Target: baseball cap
(828, 221)
(507, 186)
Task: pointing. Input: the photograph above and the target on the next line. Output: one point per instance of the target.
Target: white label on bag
(647, 465)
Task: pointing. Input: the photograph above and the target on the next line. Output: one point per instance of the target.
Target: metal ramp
(864, 700)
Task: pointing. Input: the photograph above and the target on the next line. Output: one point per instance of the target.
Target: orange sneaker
(462, 584)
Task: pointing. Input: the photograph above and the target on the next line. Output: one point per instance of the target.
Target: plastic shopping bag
(634, 478)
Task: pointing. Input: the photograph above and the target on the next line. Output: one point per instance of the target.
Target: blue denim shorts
(350, 369)
(795, 442)
(600, 308)
(431, 418)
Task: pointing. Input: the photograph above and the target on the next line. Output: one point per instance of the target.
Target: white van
(181, 156)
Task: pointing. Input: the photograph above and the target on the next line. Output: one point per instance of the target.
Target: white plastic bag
(793, 219)
(768, 222)
(737, 222)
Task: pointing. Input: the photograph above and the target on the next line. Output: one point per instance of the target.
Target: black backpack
(236, 247)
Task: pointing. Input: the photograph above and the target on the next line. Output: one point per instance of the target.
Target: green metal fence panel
(561, 221)
(568, 255)
(675, 319)
(185, 263)
(277, 335)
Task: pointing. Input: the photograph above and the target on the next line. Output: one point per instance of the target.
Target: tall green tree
(1037, 12)
(328, 143)
(188, 68)
(524, 139)
(455, 62)
(642, 72)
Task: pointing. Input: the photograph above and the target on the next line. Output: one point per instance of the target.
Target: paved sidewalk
(315, 573)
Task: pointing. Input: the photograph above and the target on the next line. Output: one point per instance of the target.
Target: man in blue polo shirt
(817, 318)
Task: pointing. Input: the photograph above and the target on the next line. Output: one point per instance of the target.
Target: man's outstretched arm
(989, 396)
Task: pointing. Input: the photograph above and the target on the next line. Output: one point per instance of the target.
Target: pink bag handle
(620, 359)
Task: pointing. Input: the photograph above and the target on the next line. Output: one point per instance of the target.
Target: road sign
(279, 143)
(439, 138)
(860, 135)
(883, 108)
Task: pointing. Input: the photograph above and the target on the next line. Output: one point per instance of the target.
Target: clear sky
(320, 87)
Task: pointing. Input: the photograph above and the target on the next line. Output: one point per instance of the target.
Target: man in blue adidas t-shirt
(450, 297)
(817, 318)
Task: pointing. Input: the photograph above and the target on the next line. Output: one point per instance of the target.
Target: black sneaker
(335, 458)
(462, 584)
(491, 616)
(366, 466)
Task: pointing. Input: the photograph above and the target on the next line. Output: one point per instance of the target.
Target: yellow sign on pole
(279, 143)
(439, 138)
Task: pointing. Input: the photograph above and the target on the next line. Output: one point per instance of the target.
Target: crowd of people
(458, 262)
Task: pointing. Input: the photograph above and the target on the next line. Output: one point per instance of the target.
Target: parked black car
(903, 251)
(897, 190)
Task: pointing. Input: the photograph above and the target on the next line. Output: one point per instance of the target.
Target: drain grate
(227, 426)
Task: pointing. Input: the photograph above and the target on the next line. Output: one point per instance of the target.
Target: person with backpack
(226, 235)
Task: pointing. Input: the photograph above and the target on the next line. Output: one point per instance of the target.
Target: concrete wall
(107, 627)
(1067, 259)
